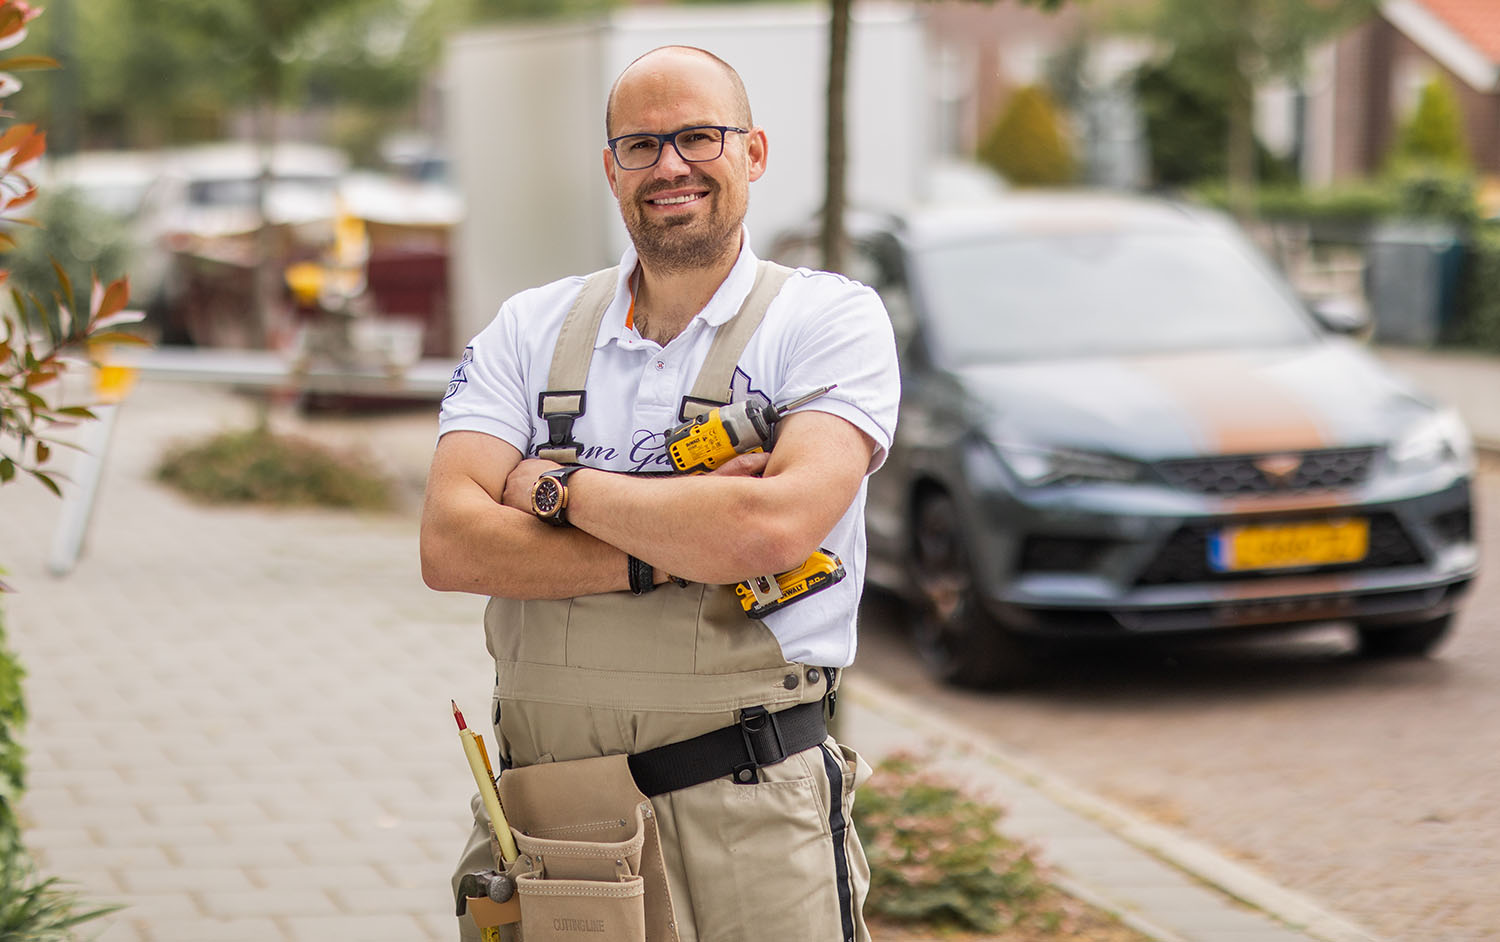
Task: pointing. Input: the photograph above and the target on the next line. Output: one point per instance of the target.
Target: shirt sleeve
(845, 337)
(488, 390)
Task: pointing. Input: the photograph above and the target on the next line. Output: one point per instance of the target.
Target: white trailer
(524, 111)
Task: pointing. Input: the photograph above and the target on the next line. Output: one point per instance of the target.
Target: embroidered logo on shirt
(459, 377)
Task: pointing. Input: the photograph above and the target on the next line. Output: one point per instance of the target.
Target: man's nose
(671, 164)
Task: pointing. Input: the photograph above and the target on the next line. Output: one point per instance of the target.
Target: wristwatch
(549, 495)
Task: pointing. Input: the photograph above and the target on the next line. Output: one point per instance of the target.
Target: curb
(1189, 856)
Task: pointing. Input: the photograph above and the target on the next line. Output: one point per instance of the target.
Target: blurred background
(1357, 139)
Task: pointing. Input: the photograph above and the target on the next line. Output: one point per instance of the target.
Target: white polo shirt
(820, 329)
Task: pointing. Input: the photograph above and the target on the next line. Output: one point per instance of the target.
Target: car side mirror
(1339, 315)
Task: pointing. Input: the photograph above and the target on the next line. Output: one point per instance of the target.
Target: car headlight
(1035, 466)
(1436, 439)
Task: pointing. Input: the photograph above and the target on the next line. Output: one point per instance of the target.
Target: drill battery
(761, 596)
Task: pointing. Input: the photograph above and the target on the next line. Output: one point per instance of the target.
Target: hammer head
(491, 883)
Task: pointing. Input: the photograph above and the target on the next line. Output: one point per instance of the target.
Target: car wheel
(1413, 639)
(958, 640)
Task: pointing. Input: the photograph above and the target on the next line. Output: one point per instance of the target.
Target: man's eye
(643, 144)
(688, 138)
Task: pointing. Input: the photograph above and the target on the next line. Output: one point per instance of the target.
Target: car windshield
(1103, 294)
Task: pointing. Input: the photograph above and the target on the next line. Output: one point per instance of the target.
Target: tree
(1434, 133)
(1235, 46)
(835, 182)
(1026, 143)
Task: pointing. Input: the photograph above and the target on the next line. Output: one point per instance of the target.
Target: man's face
(682, 216)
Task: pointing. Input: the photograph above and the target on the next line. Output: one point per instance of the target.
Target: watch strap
(642, 575)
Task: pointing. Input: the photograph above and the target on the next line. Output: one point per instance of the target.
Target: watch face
(546, 497)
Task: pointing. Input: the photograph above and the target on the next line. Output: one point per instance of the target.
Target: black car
(1118, 420)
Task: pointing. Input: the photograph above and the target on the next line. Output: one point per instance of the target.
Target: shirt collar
(725, 303)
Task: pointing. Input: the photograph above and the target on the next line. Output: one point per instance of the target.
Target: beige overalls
(619, 673)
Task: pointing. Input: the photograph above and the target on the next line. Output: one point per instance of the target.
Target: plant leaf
(14, 135)
(22, 63)
(42, 452)
(34, 147)
(119, 336)
(113, 300)
(47, 480)
(7, 470)
(77, 412)
(67, 290)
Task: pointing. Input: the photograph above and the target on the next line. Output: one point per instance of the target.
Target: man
(619, 631)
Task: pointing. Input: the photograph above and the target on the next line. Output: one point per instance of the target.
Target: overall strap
(712, 387)
(564, 399)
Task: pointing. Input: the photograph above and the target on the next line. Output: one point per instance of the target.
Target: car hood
(1323, 395)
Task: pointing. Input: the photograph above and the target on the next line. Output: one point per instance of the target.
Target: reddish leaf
(35, 146)
(42, 452)
(14, 135)
(23, 198)
(114, 298)
(6, 242)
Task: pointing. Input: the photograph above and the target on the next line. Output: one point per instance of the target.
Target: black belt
(759, 739)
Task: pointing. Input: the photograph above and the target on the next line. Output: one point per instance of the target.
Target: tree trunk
(832, 241)
(1241, 156)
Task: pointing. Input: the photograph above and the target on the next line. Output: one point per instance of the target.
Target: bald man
(613, 617)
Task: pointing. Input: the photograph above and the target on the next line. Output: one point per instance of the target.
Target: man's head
(683, 215)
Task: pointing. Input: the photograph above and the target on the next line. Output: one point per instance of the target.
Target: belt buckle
(754, 723)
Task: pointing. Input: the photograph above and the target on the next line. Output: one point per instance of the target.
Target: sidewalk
(240, 726)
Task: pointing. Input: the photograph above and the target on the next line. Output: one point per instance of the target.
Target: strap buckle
(761, 733)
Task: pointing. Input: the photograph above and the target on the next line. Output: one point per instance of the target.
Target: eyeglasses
(695, 145)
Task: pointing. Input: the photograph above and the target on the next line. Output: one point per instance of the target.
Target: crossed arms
(757, 514)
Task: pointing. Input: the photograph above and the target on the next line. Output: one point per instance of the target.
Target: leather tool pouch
(590, 854)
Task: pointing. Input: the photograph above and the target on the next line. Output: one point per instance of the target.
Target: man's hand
(751, 465)
(521, 480)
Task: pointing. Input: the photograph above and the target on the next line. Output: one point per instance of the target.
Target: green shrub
(12, 756)
(1480, 323)
(936, 857)
(261, 466)
(1433, 191)
(1027, 144)
(1350, 203)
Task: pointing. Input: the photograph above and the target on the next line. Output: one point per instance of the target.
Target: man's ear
(756, 150)
(609, 171)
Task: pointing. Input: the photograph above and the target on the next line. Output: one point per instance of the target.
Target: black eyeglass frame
(671, 138)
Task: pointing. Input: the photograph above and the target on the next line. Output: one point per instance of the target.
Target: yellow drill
(713, 438)
(719, 434)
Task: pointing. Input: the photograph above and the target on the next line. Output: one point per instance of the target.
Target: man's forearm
(495, 550)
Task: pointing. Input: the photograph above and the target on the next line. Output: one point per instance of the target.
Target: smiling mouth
(676, 200)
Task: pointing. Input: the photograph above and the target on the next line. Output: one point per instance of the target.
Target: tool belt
(759, 739)
(590, 854)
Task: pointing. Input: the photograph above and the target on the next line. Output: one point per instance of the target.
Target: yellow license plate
(1289, 545)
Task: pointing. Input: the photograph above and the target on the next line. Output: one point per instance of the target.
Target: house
(1364, 85)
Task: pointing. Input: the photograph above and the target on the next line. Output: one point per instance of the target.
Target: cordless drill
(713, 438)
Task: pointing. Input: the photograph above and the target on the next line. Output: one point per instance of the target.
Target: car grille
(1062, 554)
(1184, 557)
(1238, 475)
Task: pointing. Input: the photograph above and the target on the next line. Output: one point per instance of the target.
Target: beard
(683, 243)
